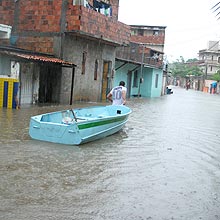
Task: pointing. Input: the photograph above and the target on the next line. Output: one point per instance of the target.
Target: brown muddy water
(163, 165)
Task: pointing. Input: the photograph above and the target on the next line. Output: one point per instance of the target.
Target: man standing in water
(118, 94)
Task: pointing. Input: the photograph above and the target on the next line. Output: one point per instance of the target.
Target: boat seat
(101, 116)
(81, 119)
(67, 120)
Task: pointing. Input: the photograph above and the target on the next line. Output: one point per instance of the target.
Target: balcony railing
(134, 52)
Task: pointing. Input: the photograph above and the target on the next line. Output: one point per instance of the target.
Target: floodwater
(163, 165)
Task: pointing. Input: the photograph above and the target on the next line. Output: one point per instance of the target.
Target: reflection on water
(164, 164)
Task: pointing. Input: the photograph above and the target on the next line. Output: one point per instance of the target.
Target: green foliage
(192, 60)
(216, 76)
(185, 69)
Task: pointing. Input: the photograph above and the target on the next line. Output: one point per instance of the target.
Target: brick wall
(115, 8)
(36, 22)
(43, 15)
(40, 16)
(7, 12)
(93, 23)
(38, 44)
(148, 39)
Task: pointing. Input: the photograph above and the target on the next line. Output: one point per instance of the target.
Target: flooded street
(163, 165)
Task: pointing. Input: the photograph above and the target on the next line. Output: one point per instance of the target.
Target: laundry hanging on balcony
(102, 7)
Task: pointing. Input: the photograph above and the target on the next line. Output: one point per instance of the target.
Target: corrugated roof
(37, 58)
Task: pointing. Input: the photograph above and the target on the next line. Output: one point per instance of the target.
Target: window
(135, 79)
(103, 7)
(218, 59)
(155, 33)
(96, 70)
(156, 80)
(84, 62)
(133, 32)
(141, 32)
(15, 69)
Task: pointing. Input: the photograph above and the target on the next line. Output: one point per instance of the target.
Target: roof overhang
(125, 61)
(100, 39)
(34, 57)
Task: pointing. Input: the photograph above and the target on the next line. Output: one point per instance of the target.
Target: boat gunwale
(85, 120)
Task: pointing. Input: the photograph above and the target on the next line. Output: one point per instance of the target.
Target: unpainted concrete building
(80, 33)
(210, 58)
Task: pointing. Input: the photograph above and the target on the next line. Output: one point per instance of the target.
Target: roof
(136, 63)
(147, 27)
(36, 57)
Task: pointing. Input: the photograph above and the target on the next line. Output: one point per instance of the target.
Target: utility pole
(141, 75)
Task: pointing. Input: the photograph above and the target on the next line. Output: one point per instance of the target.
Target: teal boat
(78, 126)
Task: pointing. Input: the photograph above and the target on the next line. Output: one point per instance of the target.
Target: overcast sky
(190, 24)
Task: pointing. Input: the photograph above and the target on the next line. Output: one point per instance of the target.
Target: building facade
(210, 58)
(85, 33)
(69, 50)
(142, 61)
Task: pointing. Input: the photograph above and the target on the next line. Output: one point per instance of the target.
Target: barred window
(84, 62)
(96, 70)
(156, 80)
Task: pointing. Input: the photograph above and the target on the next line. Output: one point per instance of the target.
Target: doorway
(106, 76)
(49, 88)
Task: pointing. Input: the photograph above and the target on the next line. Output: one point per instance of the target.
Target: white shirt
(117, 95)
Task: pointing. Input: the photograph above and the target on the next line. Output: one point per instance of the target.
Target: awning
(38, 58)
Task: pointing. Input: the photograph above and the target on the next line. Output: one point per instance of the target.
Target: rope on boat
(73, 114)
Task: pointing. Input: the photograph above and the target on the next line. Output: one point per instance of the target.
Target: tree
(185, 69)
(216, 76)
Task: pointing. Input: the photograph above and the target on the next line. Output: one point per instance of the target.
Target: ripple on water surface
(164, 164)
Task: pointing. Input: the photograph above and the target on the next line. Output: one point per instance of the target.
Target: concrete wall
(147, 87)
(156, 91)
(27, 76)
(5, 65)
(122, 74)
(86, 88)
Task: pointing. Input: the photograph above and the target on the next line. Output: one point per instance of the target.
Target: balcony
(139, 53)
(92, 24)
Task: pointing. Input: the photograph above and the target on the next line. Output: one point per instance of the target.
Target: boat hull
(84, 125)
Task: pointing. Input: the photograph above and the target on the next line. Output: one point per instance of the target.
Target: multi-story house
(146, 75)
(80, 34)
(209, 63)
(210, 58)
(65, 51)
